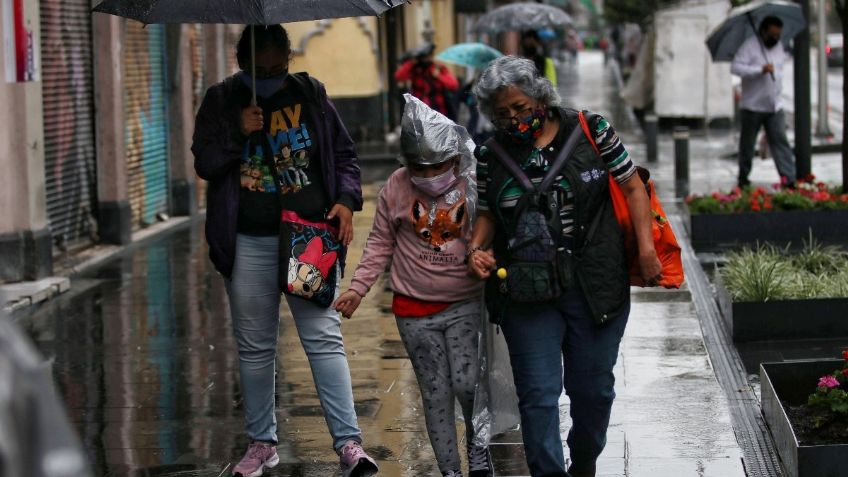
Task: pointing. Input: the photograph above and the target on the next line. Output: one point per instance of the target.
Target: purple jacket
(218, 146)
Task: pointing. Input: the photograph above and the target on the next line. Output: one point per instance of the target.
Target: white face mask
(437, 185)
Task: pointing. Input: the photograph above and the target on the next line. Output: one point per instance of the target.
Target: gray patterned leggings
(443, 351)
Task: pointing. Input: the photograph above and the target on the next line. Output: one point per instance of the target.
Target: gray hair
(513, 71)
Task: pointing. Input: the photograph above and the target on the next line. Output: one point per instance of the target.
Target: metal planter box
(716, 232)
(783, 319)
(792, 382)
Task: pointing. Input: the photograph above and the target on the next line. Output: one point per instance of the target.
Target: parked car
(833, 49)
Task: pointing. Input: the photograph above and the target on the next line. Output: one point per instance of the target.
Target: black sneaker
(479, 461)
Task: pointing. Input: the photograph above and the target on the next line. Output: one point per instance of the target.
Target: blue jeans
(254, 294)
(541, 339)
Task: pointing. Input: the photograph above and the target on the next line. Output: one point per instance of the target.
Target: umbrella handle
(253, 62)
(759, 41)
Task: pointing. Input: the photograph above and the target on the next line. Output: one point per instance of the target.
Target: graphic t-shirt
(294, 149)
(424, 238)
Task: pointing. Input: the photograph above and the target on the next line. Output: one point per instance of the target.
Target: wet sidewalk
(144, 358)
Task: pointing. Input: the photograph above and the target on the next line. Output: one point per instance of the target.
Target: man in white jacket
(759, 62)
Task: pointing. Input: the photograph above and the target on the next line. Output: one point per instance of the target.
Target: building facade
(99, 112)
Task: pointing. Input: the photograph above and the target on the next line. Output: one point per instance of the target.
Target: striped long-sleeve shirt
(614, 155)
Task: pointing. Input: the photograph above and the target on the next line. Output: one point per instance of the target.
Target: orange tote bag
(665, 243)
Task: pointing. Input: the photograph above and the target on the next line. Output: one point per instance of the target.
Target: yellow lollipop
(502, 273)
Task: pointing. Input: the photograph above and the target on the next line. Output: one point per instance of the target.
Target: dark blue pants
(541, 339)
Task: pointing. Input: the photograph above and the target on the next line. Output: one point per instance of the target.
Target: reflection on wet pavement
(144, 358)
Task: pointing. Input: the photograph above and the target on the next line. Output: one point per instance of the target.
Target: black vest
(600, 264)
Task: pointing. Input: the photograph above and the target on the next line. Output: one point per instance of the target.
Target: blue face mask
(265, 87)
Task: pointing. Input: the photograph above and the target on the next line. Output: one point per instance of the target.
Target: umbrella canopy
(474, 55)
(248, 12)
(522, 16)
(742, 22)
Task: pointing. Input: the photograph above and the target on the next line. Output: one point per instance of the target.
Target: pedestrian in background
(533, 49)
(422, 227)
(479, 127)
(759, 62)
(432, 83)
(315, 154)
(566, 330)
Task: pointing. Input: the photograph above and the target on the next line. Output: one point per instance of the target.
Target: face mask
(265, 87)
(770, 41)
(528, 128)
(435, 186)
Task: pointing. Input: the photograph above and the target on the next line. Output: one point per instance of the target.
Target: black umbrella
(247, 12)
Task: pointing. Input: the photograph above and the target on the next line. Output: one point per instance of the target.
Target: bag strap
(515, 170)
(585, 126)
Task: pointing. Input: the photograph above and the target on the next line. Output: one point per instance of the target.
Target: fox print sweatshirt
(425, 241)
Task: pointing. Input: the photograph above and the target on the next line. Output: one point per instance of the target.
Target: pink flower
(828, 382)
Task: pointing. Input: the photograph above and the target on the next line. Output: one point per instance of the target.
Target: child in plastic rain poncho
(422, 227)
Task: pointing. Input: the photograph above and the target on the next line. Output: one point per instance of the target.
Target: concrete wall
(317, 50)
(358, 91)
(25, 243)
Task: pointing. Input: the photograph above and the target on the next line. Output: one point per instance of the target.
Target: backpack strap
(511, 166)
(560, 160)
(519, 175)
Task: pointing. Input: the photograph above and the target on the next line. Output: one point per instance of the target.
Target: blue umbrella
(475, 55)
(742, 22)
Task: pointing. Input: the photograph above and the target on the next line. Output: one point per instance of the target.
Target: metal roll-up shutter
(198, 80)
(69, 154)
(146, 116)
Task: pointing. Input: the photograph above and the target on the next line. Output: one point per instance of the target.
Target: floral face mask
(525, 130)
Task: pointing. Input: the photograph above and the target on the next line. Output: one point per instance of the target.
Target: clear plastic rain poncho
(427, 138)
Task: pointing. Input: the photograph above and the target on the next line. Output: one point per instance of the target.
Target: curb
(22, 295)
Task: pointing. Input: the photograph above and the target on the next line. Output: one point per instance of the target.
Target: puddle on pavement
(144, 359)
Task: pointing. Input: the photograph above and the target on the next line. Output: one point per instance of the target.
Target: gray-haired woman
(580, 327)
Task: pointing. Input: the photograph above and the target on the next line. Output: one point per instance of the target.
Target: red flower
(755, 206)
(845, 354)
(845, 372)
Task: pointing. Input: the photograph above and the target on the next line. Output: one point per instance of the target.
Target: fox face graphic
(446, 226)
(308, 273)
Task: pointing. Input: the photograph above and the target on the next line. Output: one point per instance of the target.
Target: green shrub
(768, 273)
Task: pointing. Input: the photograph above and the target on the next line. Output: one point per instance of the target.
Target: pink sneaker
(258, 456)
(355, 462)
